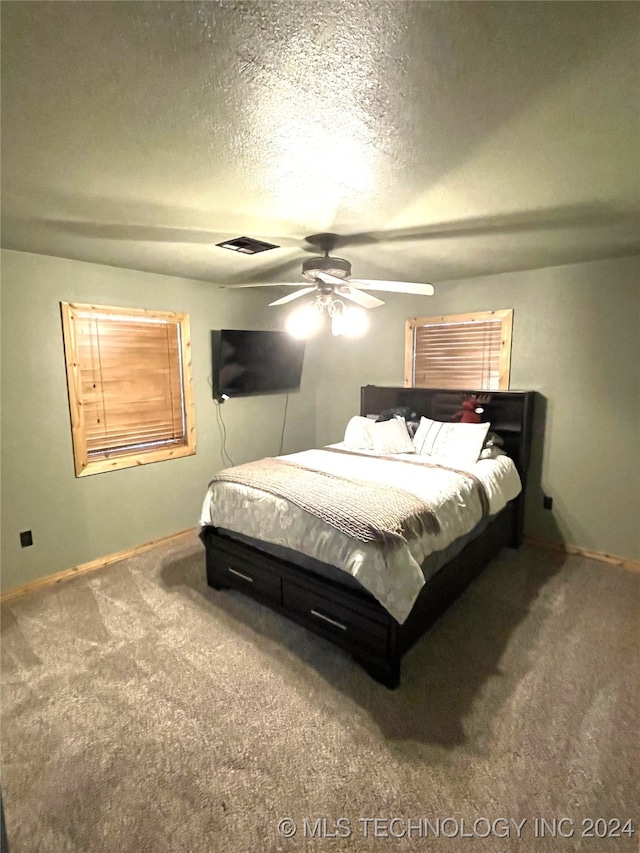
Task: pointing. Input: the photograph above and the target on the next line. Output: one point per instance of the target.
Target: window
(467, 351)
(130, 390)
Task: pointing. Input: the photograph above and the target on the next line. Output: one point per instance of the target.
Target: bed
(325, 578)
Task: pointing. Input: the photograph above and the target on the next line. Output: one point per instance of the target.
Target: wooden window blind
(459, 351)
(129, 386)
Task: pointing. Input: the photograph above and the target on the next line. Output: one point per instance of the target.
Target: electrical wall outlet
(26, 538)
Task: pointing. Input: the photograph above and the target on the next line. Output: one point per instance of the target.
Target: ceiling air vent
(247, 245)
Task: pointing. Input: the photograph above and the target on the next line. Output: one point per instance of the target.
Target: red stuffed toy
(471, 409)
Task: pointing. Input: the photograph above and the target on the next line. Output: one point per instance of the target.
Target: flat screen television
(255, 362)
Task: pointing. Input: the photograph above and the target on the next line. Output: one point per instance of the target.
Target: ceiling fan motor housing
(333, 266)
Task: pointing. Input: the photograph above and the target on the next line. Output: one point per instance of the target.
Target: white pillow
(357, 434)
(420, 434)
(391, 437)
(450, 443)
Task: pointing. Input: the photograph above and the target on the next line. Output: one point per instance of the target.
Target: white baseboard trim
(84, 568)
(612, 560)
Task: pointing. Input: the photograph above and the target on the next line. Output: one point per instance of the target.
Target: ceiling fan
(330, 278)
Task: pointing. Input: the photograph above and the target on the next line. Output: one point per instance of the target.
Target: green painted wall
(75, 520)
(576, 340)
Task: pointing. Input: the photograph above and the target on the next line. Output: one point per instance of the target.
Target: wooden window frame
(506, 318)
(84, 465)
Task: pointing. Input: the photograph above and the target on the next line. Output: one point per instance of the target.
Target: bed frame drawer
(254, 578)
(342, 624)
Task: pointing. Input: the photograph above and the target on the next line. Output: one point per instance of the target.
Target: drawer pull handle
(240, 575)
(330, 621)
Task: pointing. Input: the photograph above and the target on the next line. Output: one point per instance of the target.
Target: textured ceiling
(441, 139)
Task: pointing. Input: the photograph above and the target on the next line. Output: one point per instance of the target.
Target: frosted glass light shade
(352, 323)
(303, 322)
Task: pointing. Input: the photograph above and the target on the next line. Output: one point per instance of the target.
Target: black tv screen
(254, 362)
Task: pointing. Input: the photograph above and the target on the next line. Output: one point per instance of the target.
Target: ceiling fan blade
(357, 296)
(523, 221)
(327, 278)
(135, 232)
(263, 269)
(329, 242)
(291, 296)
(394, 286)
(261, 284)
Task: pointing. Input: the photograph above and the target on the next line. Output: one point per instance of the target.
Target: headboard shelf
(509, 412)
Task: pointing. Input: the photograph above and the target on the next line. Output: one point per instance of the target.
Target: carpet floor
(143, 712)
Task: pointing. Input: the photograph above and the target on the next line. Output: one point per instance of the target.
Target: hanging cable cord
(284, 423)
(223, 435)
(223, 431)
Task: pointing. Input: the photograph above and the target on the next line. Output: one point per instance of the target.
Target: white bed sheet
(392, 576)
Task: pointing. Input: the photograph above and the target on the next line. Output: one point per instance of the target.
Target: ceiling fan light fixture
(350, 323)
(304, 322)
(337, 267)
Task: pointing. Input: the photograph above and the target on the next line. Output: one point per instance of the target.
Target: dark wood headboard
(509, 412)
